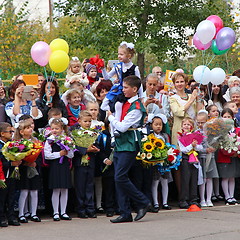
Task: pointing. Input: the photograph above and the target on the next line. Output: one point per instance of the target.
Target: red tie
(125, 108)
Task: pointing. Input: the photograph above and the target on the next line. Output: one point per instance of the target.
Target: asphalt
(218, 222)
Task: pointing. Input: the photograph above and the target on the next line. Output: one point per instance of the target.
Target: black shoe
(155, 209)
(82, 215)
(195, 203)
(183, 205)
(142, 212)
(27, 215)
(220, 198)
(100, 210)
(166, 207)
(22, 219)
(56, 217)
(65, 217)
(214, 199)
(14, 222)
(122, 219)
(35, 218)
(3, 223)
(92, 215)
(109, 214)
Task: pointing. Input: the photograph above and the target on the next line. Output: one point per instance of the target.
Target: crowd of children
(112, 181)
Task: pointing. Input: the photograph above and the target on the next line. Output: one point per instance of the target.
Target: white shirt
(163, 100)
(132, 119)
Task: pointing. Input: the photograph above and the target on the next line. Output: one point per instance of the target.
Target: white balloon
(201, 74)
(217, 76)
(206, 31)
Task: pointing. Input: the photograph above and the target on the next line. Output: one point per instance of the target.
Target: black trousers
(7, 197)
(189, 182)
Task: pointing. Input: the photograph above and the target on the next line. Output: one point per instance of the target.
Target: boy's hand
(109, 113)
(16, 163)
(194, 143)
(93, 149)
(108, 162)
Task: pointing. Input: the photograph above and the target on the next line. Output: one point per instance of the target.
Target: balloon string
(203, 52)
(227, 63)
(209, 94)
(211, 60)
(45, 73)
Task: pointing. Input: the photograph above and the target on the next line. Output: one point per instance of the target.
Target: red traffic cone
(194, 208)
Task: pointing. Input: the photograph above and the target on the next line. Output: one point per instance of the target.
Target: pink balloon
(40, 53)
(218, 22)
(199, 45)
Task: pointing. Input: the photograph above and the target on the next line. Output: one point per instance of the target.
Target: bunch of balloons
(212, 33)
(56, 54)
(203, 75)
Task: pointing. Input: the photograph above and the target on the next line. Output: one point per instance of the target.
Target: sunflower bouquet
(85, 138)
(154, 151)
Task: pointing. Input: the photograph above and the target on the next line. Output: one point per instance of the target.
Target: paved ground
(221, 222)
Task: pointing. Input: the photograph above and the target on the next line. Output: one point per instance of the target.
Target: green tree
(155, 26)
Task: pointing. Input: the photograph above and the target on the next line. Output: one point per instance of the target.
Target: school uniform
(83, 179)
(7, 195)
(126, 149)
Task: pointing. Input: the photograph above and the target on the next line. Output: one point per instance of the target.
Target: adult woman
(215, 96)
(183, 104)
(233, 81)
(235, 97)
(49, 98)
(19, 105)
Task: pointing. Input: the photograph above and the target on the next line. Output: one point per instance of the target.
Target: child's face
(227, 116)
(123, 56)
(85, 122)
(93, 108)
(233, 107)
(56, 129)
(75, 67)
(129, 91)
(201, 120)
(27, 132)
(187, 126)
(7, 134)
(213, 113)
(157, 125)
(77, 85)
(92, 73)
(32, 123)
(75, 100)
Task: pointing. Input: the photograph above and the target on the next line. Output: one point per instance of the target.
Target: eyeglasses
(11, 131)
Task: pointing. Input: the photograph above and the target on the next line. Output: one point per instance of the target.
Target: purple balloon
(225, 38)
(199, 45)
(40, 53)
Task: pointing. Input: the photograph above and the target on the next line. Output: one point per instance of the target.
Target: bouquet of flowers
(98, 62)
(64, 142)
(187, 139)
(16, 151)
(155, 152)
(217, 130)
(85, 138)
(230, 145)
(2, 177)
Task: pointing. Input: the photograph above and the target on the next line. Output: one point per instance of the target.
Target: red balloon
(217, 21)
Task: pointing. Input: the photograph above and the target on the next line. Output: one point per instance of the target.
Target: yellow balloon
(58, 61)
(59, 44)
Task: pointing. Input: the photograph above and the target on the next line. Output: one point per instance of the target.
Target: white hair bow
(64, 120)
(129, 45)
(17, 117)
(151, 116)
(75, 58)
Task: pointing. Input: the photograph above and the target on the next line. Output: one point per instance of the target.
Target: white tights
(208, 185)
(164, 184)
(228, 186)
(59, 195)
(33, 201)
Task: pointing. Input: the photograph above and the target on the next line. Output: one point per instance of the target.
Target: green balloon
(215, 49)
